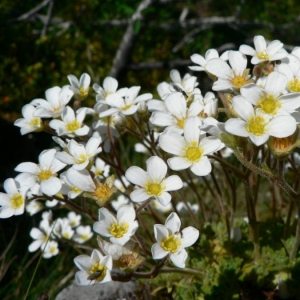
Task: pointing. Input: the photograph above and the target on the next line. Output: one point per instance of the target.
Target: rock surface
(108, 291)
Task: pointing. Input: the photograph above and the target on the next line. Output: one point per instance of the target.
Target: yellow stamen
(154, 188)
(17, 201)
(269, 104)
(73, 126)
(294, 85)
(171, 243)
(256, 125)
(118, 230)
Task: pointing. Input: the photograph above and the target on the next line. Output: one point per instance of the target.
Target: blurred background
(138, 43)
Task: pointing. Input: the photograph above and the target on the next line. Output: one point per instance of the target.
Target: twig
(126, 44)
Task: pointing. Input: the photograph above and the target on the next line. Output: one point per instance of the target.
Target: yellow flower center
(17, 201)
(269, 104)
(75, 189)
(83, 92)
(127, 107)
(154, 188)
(171, 243)
(84, 237)
(263, 55)
(97, 272)
(73, 126)
(66, 235)
(35, 122)
(45, 175)
(52, 249)
(256, 125)
(118, 230)
(81, 159)
(193, 153)
(294, 85)
(180, 123)
(238, 81)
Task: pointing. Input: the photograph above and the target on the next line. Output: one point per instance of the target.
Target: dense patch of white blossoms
(182, 132)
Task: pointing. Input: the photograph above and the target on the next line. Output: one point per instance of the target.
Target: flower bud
(283, 147)
(142, 111)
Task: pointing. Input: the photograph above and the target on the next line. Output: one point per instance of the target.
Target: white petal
(156, 168)
(81, 179)
(219, 68)
(236, 127)
(51, 186)
(189, 236)
(179, 163)
(202, 167)
(136, 175)
(276, 83)
(158, 252)
(210, 144)
(172, 142)
(252, 93)
(173, 222)
(281, 126)
(179, 258)
(164, 198)
(243, 107)
(172, 183)
(192, 130)
(139, 195)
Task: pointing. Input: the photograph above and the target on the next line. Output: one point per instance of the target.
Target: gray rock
(108, 291)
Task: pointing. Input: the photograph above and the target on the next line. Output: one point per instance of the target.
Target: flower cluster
(178, 137)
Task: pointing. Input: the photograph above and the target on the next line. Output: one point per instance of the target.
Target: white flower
(34, 207)
(122, 184)
(162, 208)
(121, 200)
(183, 209)
(95, 268)
(177, 114)
(70, 124)
(258, 127)
(110, 86)
(79, 155)
(233, 77)
(262, 52)
(154, 182)
(82, 234)
(292, 71)
(51, 249)
(74, 219)
(13, 201)
(170, 241)
(30, 122)
(42, 174)
(191, 150)
(40, 235)
(80, 87)
(185, 85)
(63, 229)
(100, 192)
(126, 105)
(202, 61)
(119, 229)
(272, 100)
(67, 188)
(57, 99)
(100, 168)
(210, 105)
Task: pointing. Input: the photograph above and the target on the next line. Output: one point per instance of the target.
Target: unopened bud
(142, 111)
(283, 147)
